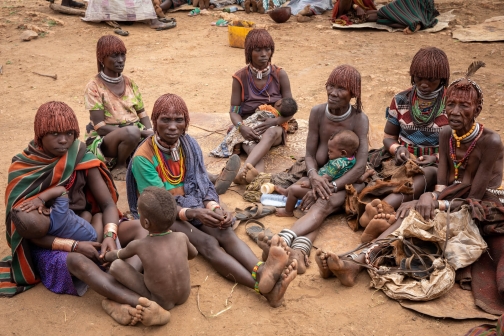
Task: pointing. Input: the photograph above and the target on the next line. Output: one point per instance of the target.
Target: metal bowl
(280, 14)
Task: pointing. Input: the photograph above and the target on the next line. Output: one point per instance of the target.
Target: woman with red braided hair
(173, 160)
(325, 198)
(118, 117)
(415, 119)
(55, 158)
(260, 82)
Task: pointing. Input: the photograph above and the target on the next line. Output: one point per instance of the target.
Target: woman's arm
(98, 116)
(247, 132)
(285, 86)
(361, 129)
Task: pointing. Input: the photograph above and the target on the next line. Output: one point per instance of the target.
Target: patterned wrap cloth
(119, 111)
(30, 173)
(197, 185)
(418, 140)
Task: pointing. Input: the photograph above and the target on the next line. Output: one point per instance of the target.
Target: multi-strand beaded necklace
(168, 174)
(420, 118)
(475, 134)
(253, 71)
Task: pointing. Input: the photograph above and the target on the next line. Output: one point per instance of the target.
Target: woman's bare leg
(120, 143)
(272, 137)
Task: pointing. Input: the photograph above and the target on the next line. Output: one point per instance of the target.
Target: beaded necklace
(260, 73)
(113, 80)
(254, 87)
(159, 234)
(453, 153)
(421, 119)
(168, 175)
(468, 136)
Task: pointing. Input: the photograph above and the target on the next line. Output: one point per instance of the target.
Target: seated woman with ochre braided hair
(173, 160)
(325, 198)
(260, 82)
(57, 158)
(415, 119)
(118, 118)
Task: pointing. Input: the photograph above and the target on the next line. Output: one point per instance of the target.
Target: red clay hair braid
(54, 116)
(168, 104)
(108, 45)
(349, 78)
(258, 38)
(430, 62)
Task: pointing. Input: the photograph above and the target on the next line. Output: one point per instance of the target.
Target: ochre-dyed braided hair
(349, 78)
(258, 38)
(430, 62)
(54, 116)
(466, 88)
(169, 104)
(108, 45)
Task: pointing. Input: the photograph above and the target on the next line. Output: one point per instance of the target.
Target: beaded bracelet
(212, 205)
(235, 109)
(61, 244)
(182, 214)
(99, 125)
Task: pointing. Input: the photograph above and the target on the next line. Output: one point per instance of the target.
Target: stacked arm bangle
(62, 244)
(182, 214)
(110, 230)
(212, 205)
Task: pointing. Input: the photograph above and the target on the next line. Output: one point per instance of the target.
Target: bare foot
(264, 243)
(241, 177)
(272, 270)
(377, 226)
(372, 209)
(121, 313)
(251, 173)
(281, 212)
(276, 296)
(281, 191)
(300, 257)
(151, 313)
(346, 271)
(408, 31)
(306, 11)
(119, 173)
(321, 260)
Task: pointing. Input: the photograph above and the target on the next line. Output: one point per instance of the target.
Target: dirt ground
(194, 61)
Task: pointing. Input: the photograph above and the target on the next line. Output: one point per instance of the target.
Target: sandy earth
(194, 61)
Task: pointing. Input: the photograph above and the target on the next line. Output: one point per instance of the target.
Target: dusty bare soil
(195, 61)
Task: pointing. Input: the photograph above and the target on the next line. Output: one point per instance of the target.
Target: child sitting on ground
(58, 220)
(285, 107)
(341, 149)
(164, 255)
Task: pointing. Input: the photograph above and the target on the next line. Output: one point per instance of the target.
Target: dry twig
(50, 76)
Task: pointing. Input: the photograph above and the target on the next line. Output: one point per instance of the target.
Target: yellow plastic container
(237, 36)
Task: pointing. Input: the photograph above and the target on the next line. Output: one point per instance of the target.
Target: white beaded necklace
(113, 80)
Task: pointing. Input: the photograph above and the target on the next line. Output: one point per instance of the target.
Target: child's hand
(263, 127)
(107, 245)
(306, 184)
(33, 204)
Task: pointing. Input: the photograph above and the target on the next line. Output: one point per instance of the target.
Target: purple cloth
(66, 224)
(54, 274)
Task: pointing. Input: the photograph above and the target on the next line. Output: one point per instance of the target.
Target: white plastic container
(275, 200)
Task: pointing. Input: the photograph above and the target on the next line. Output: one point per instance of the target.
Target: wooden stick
(67, 10)
(50, 76)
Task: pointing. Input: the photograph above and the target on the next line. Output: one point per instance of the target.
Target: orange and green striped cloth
(30, 173)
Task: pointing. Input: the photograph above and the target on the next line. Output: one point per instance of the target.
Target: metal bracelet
(335, 186)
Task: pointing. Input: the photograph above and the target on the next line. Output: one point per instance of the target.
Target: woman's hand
(401, 155)
(321, 186)
(207, 217)
(308, 200)
(426, 206)
(146, 133)
(228, 218)
(33, 204)
(249, 133)
(263, 127)
(107, 245)
(404, 209)
(426, 160)
(89, 249)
